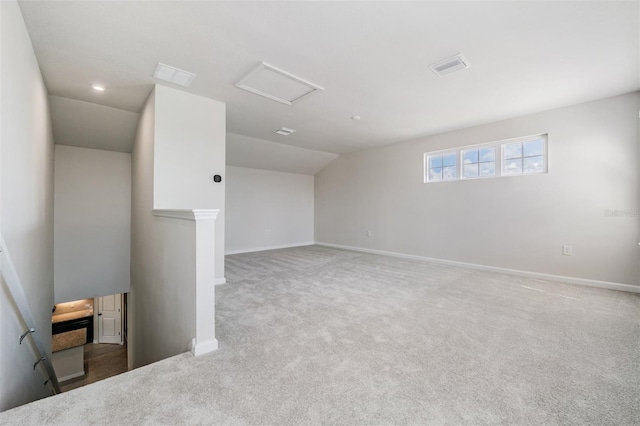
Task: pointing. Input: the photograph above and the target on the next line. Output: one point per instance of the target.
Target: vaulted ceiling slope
(90, 125)
(244, 151)
(372, 59)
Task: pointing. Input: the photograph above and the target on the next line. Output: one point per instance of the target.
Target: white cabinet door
(110, 319)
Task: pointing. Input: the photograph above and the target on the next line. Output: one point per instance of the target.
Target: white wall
(513, 222)
(173, 155)
(189, 150)
(161, 300)
(26, 206)
(140, 303)
(92, 223)
(267, 209)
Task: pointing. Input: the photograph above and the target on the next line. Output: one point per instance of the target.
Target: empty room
(310, 212)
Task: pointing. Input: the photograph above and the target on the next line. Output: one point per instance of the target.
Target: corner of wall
(26, 175)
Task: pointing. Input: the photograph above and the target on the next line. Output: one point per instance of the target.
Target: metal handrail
(17, 292)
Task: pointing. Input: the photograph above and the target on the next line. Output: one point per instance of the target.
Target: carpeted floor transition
(315, 335)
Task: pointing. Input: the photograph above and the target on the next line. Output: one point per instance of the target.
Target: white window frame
(499, 155)
(478, 148)
(545, 157)
(441, 153)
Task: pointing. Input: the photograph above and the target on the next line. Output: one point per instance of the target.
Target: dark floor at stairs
(101, 361)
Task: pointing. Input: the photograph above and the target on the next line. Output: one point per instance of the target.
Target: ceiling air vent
(173, 75)
(276, 84)
(449, 65)
(284, 131)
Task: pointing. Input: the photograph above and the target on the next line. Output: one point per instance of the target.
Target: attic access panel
(276, 84)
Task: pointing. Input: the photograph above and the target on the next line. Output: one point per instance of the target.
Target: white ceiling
(372, 58)
(89, 125)
(244, 151)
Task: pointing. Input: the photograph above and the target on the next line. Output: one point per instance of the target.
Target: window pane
(449, 159)
(435, 161)
(435, 174)
(449, 173)
(534, 164)
(488, 169)
(470, 156)
(470, 170)
(488, 154)
(512, 150)
(513, 167)
(533, 148)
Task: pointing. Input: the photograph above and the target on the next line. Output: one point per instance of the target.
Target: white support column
(205, 282)
(205, 303)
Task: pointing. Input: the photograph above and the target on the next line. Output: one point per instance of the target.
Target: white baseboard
(222, 280)
(203, 347)
(571, 280)
(71, 376)
(251, 250)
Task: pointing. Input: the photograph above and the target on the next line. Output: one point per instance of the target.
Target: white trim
(251, 250)
(220, 281)
(187, 214)
(205, 337)
(499, 159)
(71, 376)
(203, 348)
(570, 280)
(545, 139)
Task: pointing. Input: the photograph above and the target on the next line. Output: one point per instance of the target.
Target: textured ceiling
(372, 58)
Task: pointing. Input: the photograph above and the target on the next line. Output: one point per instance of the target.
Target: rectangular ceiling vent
(449, 65)
(173, 75)
(284, 131)
(276, 84)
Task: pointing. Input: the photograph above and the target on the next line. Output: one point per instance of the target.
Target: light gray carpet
(321, 336)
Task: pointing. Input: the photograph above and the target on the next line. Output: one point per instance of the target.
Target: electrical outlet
(369, 233)
(567, 250)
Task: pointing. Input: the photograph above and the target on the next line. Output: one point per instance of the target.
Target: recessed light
(356, 117)
(97, 87)
(284, 131)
